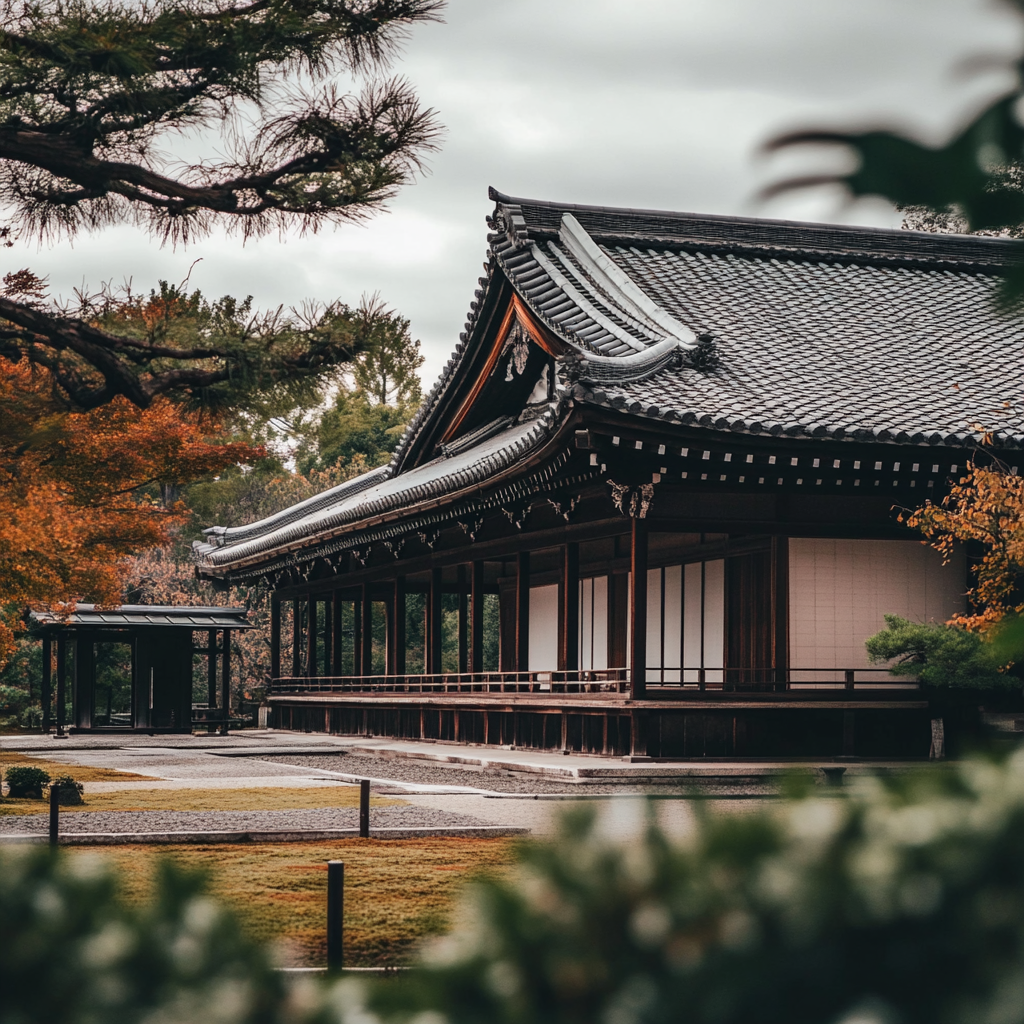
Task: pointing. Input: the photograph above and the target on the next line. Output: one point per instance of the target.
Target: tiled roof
(147, 615)
(733, 324)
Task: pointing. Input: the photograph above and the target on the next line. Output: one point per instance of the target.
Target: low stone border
(268, 836)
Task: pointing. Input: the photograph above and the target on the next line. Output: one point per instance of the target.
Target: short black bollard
(335, 914)
(54, 816)
(364, 808)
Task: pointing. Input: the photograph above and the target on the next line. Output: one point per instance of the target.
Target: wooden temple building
(650, 507)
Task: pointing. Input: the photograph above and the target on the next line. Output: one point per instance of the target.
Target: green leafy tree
(387, 368)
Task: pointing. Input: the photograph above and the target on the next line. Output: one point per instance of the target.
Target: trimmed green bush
(26, 781)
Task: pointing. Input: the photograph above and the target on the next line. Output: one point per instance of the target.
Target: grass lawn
(10, 758)
(396, 891)
(256, 798)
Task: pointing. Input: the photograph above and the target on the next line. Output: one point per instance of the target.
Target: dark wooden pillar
(780, 611)
(523, 611)
(435, 622)
(638, 604)
(62, 665)
(325, 669)
(297, 637)
(225, 678)
(336, 638)
(311, 666)
(463, 621)
(398, 606)
(476, 618)
(275, 636)
(569, 627)
(45, 688)
(357, 636)
(367, 631)
(211, 668)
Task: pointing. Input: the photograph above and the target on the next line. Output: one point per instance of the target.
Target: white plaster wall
(544, 628)
(839, 591)
(594, 622)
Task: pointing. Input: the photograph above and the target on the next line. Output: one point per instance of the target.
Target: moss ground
(10, 758)
(397, 892)
(268, 798)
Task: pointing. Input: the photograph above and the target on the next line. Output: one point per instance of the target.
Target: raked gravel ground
(498, 781)
(222, 821)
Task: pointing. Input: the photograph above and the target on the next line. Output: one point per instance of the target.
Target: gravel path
(222, 821)
(428, 773)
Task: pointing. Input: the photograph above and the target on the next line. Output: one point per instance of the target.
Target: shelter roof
(134, 615)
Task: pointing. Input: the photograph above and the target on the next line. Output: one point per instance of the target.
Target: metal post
(364, 808)
(335, 914)
(54, 816)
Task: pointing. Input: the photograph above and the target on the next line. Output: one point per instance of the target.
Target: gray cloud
(646, 103)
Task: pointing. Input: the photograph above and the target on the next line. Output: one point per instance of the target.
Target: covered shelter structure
(650, 509)
(133, 668)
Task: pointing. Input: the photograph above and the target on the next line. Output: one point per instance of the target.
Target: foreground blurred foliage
(897, 899)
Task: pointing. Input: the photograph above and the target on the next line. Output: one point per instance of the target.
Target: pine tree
(92, 95)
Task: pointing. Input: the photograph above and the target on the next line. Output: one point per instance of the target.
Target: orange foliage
(985, 505)
(70, 499)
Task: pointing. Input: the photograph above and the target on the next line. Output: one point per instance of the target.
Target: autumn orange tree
(73, 497)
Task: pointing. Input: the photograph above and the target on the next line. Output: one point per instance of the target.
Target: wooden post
(275, 636)
(463, 621)
(296, 637)
(46, 696)
(336, 644)
(435, 622)
(367, 631)
(357, 636)
(398, 605)
(335, 914)
(523, 611)
(364, 808)
(638, 603)
(62, 665)
(569, 649)
(476, 618)
(311, 665)
(780, 611)
(225, 680)
(54, 816)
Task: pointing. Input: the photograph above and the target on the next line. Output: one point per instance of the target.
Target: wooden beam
(463, 621)
(357, 636)
(399, 616)
(275, 636)
(780, 610)
(434, 621)
(297, 636)
(211, 668)
(638, 606)
(569, 627)
(225, 679)
(476, 640)
(367, 631)
(522, 611)
(328, 637)
(45, 687)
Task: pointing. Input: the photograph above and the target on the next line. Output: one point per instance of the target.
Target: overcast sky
(643, 103)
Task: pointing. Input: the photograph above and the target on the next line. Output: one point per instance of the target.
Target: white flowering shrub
(894, 901)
